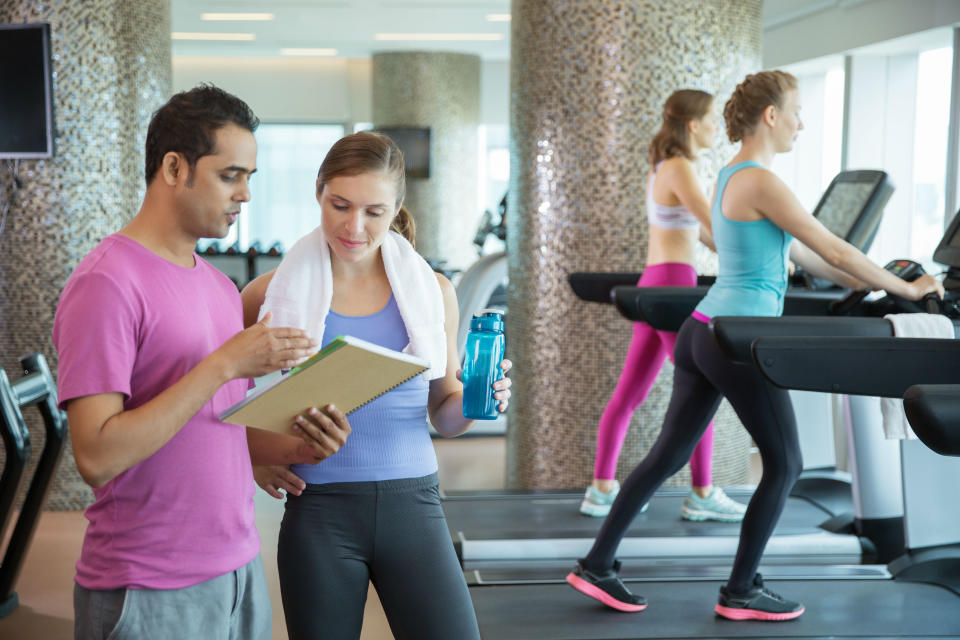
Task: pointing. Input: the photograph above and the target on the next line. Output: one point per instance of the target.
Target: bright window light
(498, 17)
(185, 35)
(240, 17)
(308, 52)
(472, 37)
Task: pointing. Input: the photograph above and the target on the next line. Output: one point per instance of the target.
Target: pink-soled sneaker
(605, 587)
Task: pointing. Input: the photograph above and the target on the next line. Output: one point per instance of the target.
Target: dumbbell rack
(36, 387)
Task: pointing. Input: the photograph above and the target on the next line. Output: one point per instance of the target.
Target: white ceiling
(349, 26)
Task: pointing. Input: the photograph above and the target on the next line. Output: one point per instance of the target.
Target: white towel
(301, 290)
(910, 325)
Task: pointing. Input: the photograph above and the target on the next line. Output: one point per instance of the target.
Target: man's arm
(108, 440)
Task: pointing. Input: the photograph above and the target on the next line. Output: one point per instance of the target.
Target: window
(930, 150)
(283, 206)
(815, 158)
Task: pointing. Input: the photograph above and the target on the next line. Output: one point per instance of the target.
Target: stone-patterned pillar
(111, 65)
(440, 91)
(588, 81)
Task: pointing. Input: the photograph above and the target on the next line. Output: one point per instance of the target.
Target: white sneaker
(596, 503)
(716, 506)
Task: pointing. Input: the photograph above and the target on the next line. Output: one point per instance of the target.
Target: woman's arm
(772, 199)
(445, 402)
(820, 268)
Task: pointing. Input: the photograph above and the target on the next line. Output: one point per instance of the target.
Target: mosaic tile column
(588, 81)
(440, 91)
(111, 65)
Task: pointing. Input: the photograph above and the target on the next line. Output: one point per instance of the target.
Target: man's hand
(261, 349)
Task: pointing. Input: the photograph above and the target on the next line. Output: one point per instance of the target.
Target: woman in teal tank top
(755, 220)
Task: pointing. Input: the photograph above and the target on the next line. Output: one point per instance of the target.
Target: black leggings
(702, 377)
(337, 538)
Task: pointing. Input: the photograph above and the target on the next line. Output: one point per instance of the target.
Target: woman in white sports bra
(678, 214)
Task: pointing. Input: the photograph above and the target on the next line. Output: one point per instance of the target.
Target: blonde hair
(369, 152)
(757, 92)
(673, 138)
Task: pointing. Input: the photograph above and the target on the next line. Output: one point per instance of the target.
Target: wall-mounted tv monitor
(26, 111)
(414, 142)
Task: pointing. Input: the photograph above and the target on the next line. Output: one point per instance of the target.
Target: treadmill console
(852, 205)
(948, 253)
(851, 208)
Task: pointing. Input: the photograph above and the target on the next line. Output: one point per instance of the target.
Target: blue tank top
(389, 436)
(753, 257)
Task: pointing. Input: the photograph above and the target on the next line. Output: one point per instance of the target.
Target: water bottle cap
(487, 320)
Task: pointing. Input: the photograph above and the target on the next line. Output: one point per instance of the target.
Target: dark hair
(369, 152)
(757, 92)
(188, 122)
(673, 139)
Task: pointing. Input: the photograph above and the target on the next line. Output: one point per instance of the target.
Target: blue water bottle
(481, 364)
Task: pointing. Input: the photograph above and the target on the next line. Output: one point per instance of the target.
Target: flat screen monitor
(948, 251)
(26, 113)
(853, 203)
(414, 142)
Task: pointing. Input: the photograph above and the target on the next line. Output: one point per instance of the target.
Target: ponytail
(404, 225)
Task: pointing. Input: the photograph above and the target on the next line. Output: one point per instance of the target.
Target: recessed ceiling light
(307, 52)
(185, 35)
(498, 17)
(439, 36)
(253, 17)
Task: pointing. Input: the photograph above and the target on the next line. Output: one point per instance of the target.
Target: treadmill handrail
(734, 335)
(666, 308)
(597, 286)
(883, 367)
(934, 413)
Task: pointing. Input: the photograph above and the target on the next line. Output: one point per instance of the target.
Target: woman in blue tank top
(755, 219)
(373, 514)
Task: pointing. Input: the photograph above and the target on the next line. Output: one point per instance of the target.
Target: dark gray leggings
(335, 538)
(702, 377)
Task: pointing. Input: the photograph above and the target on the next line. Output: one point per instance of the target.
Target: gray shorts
(234, 606)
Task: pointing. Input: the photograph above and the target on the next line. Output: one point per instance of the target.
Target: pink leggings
(648, 349)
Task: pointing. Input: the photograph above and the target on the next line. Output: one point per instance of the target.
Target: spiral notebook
(347, 373)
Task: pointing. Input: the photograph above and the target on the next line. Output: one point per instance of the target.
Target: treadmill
(917, 595)
(545, 527)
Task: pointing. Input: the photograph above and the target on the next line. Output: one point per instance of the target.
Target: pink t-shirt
(131, 322)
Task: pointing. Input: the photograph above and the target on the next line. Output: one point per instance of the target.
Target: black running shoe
(759, 603)
(605, 587)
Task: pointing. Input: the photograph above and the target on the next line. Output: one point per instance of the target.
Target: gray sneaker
(596, 503)
(716, 506)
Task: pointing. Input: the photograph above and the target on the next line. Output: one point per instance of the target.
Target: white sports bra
(664, 217)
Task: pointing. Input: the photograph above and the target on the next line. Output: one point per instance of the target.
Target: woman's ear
(770, 115)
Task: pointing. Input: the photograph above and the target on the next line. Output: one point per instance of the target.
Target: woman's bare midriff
(671, 245)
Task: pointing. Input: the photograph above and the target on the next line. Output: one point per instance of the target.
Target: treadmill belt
(544, 516)
(876, 609)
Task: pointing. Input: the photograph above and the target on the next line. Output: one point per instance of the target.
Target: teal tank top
(753, 259)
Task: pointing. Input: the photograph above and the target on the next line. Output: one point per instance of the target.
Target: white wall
(319, 90)
(835, 27)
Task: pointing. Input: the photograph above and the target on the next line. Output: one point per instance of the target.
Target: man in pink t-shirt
(151, 349)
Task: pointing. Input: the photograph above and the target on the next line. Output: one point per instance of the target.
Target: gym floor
(45, 585)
